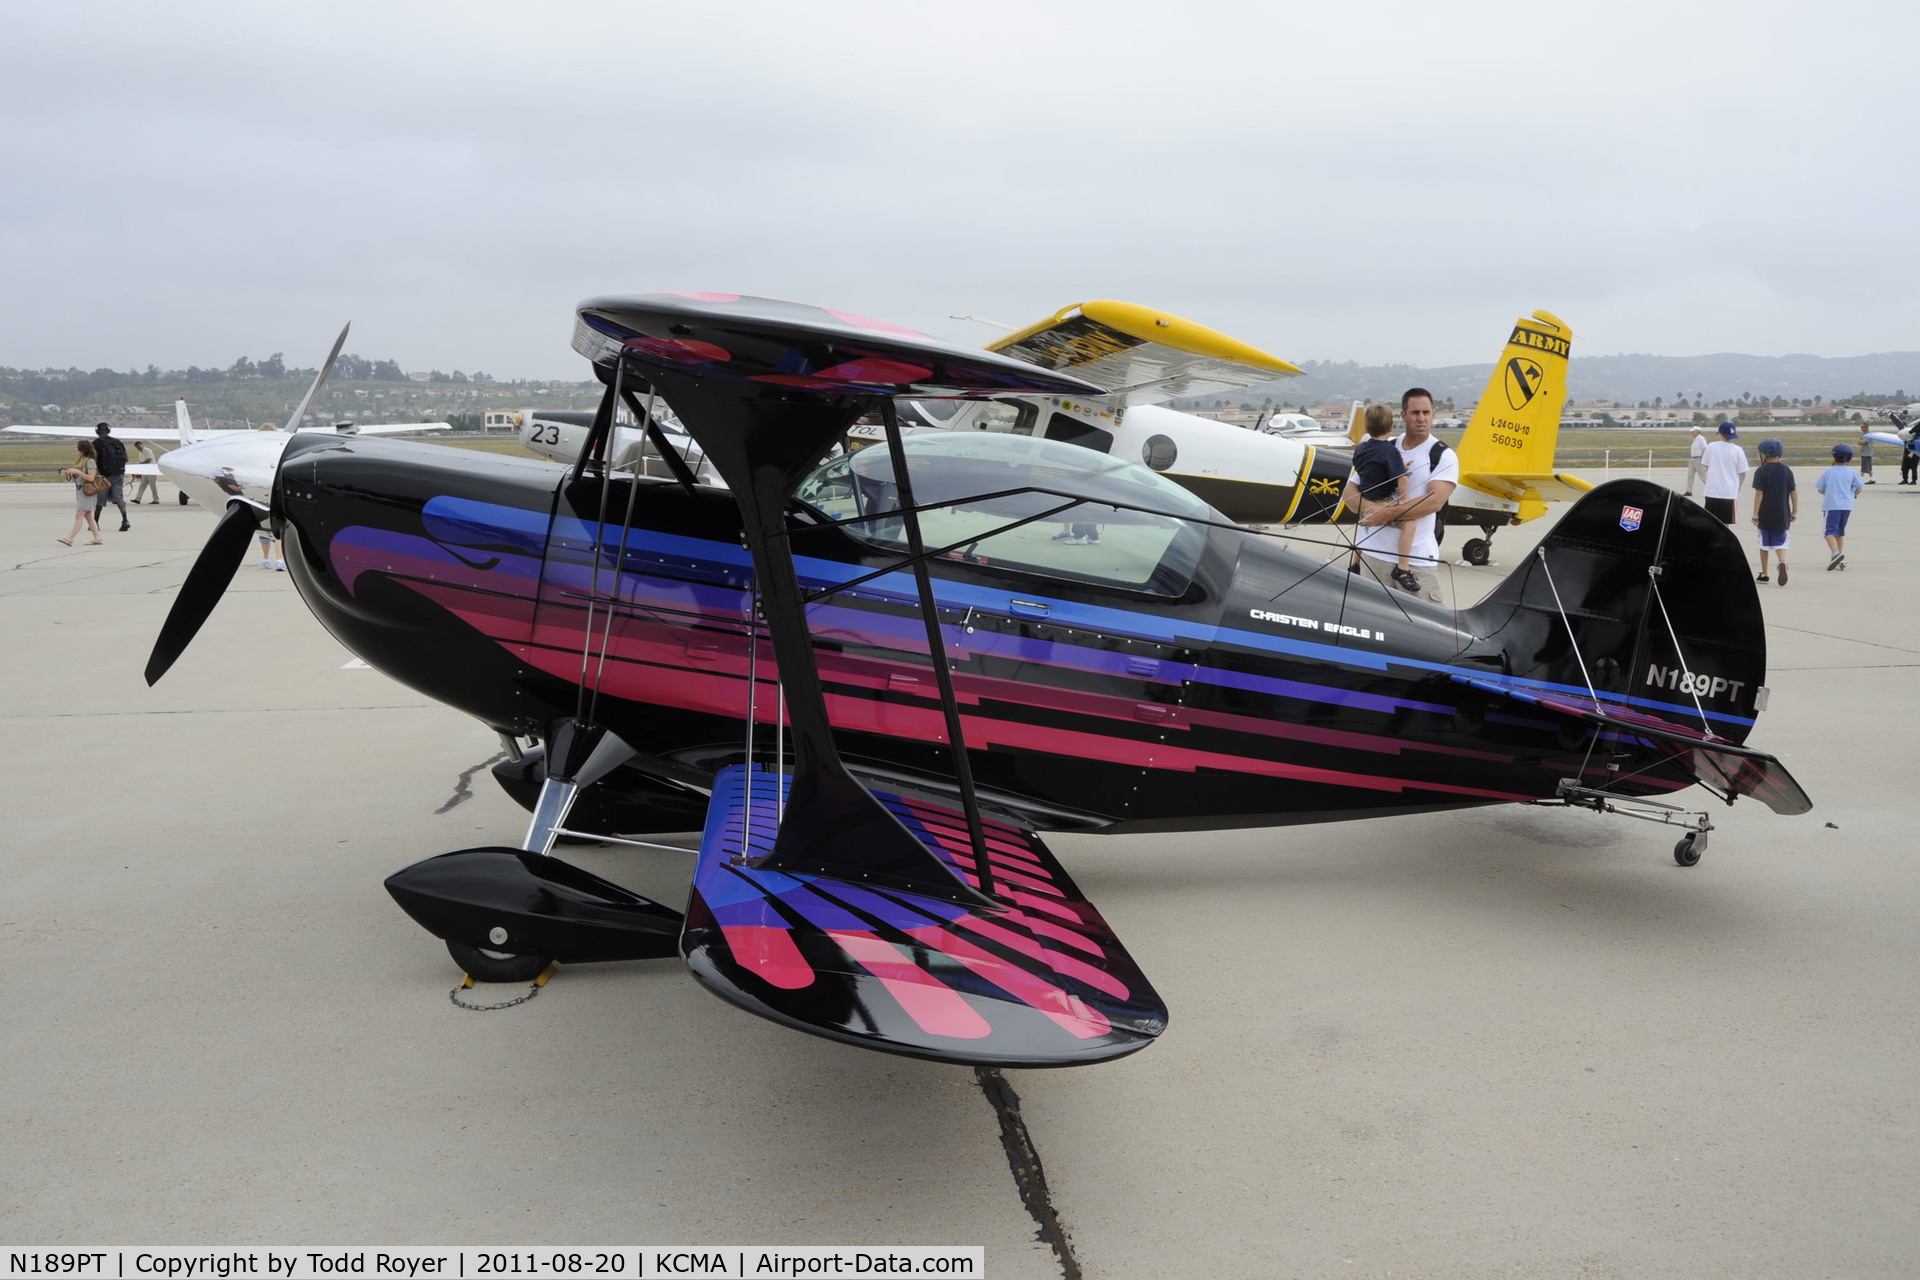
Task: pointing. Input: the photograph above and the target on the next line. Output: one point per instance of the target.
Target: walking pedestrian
(111, 457)
(84, 470)
(1838, 488)
(1726, 464)
(147, 485)
(1866, 458)
(1696, 469)
(1776, 505)
(1910, 459)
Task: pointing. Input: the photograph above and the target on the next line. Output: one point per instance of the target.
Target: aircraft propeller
(213, 571)
(206, 582)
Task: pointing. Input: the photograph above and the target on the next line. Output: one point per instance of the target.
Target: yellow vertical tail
(1516, 426)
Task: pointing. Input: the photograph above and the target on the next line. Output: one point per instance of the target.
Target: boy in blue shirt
(1381, 477)
(1838, 487)
(1775, 505)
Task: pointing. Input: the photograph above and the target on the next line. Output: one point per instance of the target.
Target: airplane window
(1153, 550)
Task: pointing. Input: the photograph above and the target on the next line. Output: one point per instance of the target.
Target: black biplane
(872, 677)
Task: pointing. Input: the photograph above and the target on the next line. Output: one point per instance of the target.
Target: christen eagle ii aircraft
(874, 677)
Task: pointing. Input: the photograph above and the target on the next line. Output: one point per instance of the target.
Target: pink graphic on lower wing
(769, 953)
(1065, 966)
(1069, 1012)
(934, 1006)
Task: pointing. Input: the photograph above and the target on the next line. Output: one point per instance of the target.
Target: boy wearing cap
(1776, 505)
(1838, 488)
(1726, 462)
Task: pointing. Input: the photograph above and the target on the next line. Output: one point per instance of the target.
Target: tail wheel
(1687, 852)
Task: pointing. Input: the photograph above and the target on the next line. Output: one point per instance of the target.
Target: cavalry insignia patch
(1630, 518)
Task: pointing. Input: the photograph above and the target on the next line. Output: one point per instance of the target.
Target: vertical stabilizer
(1517, 423)
(182, 421)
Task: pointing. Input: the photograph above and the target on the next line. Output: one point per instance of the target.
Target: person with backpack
(1433, 472)
(111, 458)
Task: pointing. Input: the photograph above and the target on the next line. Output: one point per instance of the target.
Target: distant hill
(1626, 378)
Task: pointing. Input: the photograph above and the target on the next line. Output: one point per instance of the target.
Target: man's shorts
(1837, 523)
(1720, 509)
(117, 493)
(1773, 539)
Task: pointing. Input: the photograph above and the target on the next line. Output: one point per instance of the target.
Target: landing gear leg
(1687, 852)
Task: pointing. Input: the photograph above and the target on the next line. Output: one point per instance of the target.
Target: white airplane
(216, 468)
(1147, 356)
(245, 447)
(559, 434)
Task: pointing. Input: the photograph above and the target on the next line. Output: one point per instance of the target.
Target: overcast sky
(189, 182)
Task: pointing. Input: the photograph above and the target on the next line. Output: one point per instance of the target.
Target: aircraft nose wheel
(1477, 551)
(497, 966)
(1692, 845)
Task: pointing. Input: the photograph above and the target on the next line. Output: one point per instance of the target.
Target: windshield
(1153, 550)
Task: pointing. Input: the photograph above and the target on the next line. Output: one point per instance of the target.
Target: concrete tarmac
(1508, 1041)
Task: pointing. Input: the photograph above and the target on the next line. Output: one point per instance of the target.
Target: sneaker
(1833, 561)
(1762, 578)
(125, 525)
(1066, 537)
(1840, 561)
(1406, 580)
(1783, 573)
(281, 565)
(266, 564)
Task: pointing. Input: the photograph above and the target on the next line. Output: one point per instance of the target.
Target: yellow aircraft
(1507, 450)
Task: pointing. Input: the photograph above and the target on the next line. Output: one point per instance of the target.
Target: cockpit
(1025, 504)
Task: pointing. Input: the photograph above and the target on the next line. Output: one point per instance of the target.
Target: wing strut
(937, 649)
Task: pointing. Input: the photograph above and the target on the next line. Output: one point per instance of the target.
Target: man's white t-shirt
(1726, 463)
(1382, 542)
(1699, 446)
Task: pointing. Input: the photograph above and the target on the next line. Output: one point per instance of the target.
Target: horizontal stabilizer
(1043, 983)
(1736, 770)
(1514, 487)
(1140, 355)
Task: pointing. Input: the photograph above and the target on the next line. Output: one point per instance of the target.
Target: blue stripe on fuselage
(705, 559)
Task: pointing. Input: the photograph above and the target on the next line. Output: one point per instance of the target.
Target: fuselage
(1259, 687)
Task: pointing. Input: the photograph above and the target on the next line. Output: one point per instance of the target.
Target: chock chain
(467, 983)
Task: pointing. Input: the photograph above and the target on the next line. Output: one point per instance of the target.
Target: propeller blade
(206, 582)
(293, 423)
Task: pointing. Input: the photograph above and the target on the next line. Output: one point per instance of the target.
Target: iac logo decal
(1323, 487)
(1523, 380)
(1630, 518)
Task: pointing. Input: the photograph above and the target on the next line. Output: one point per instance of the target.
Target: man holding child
(1432, 474)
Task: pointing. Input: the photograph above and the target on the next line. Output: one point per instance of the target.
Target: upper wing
(1043, 983)
(86, 433)
(1140, 355)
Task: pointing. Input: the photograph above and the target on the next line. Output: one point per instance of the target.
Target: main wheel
(1477, 551)
(497, 966)
(1687, 852)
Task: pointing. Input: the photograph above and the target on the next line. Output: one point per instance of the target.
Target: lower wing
(1043, 983)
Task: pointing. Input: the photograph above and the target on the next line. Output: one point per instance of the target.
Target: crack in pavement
(1028, 1175)
(463, 789)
